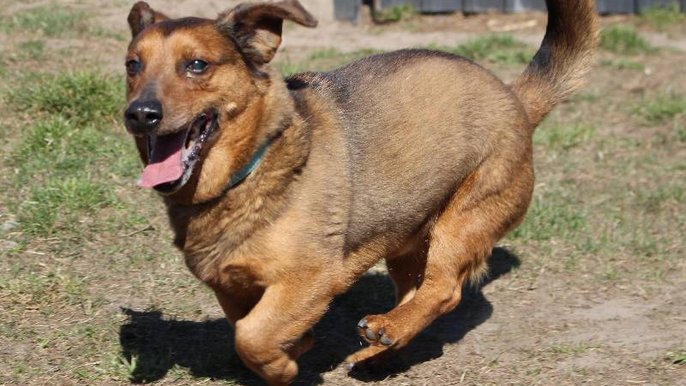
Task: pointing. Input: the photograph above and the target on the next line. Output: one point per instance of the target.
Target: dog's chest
(230, 270)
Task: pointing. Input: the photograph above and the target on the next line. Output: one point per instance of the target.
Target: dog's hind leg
(407, 272)
(490, 202)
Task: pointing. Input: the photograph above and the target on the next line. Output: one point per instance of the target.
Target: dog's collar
(250, 167)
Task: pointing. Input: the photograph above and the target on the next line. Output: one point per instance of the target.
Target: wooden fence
(349, 9)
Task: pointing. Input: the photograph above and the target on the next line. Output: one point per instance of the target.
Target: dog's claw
(362, 323)
(386, 341)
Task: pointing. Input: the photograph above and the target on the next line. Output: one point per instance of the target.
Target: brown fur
(417, 157)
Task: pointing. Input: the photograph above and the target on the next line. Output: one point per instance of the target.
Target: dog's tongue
(165, 163)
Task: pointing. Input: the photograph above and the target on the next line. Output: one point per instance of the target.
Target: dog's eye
(133, 67)
(197, 66)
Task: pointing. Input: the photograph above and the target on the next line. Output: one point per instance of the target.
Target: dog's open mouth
(172, 157)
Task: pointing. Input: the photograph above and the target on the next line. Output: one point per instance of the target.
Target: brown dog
(282, 193)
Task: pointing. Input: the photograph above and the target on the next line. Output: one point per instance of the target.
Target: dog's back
(408, 145)
(417, 122)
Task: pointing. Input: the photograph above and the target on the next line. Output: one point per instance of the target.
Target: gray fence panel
(643, 4)
(479, 6)
(437, 6)
(514, 6)
(347, 9)
(392, 3)
(615, 6)
(350, 9)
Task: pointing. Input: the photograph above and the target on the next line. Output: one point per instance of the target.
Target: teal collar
(250, 167)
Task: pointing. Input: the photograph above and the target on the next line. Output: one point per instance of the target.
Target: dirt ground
(591, 289)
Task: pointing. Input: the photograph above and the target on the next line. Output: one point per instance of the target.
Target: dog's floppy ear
(142, 16)
(257, 27)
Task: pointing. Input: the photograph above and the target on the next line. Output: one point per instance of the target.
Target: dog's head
(195, 90)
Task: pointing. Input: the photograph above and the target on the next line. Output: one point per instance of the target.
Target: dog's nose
(143, 116)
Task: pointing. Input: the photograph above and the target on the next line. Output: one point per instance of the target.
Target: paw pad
(373, 335)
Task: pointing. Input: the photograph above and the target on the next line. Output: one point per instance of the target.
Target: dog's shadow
(154, 345)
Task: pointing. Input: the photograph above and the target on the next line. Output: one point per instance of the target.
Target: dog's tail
(564, 58)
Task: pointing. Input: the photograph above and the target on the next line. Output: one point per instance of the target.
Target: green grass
(323, 60)
(588, 96)
(80, 96)
(31, 287)
(552, 214)
(629, 224)
(569, 348)
(663, 17)
(662, 108)
(395, 13)
(624, 40)
(60, 206)
(623, 64)
(59, 148)
(51, 20)
(503, 49)
(65, 159)
(496, 49)
(560, 137)
(654, 199)
(677, 358)
(31, 50)
(679, 130)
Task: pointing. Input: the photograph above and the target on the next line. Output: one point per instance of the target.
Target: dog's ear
(257, 27)
(142, 16)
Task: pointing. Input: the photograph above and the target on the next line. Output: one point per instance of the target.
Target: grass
(663, 17)
(395, 13)
(80, 96)
(624, 40)
(61, 206)
(64, 159)
(678, 358)
(41, 289)
(662, 108)
(569, 348)
(31, 50)
(654, 199)
(323, 60)
(561, 137)
(679, 131)
(624, 64)
(495, 49)
(503, 49)
(552, 214)
(52, 20)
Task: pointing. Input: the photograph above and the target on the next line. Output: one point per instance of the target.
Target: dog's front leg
(236, 306)
(275, 332)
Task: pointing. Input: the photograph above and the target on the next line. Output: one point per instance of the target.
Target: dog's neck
(250, 167)
(257, 200)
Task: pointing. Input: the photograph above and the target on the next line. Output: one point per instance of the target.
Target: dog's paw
(376, 330)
